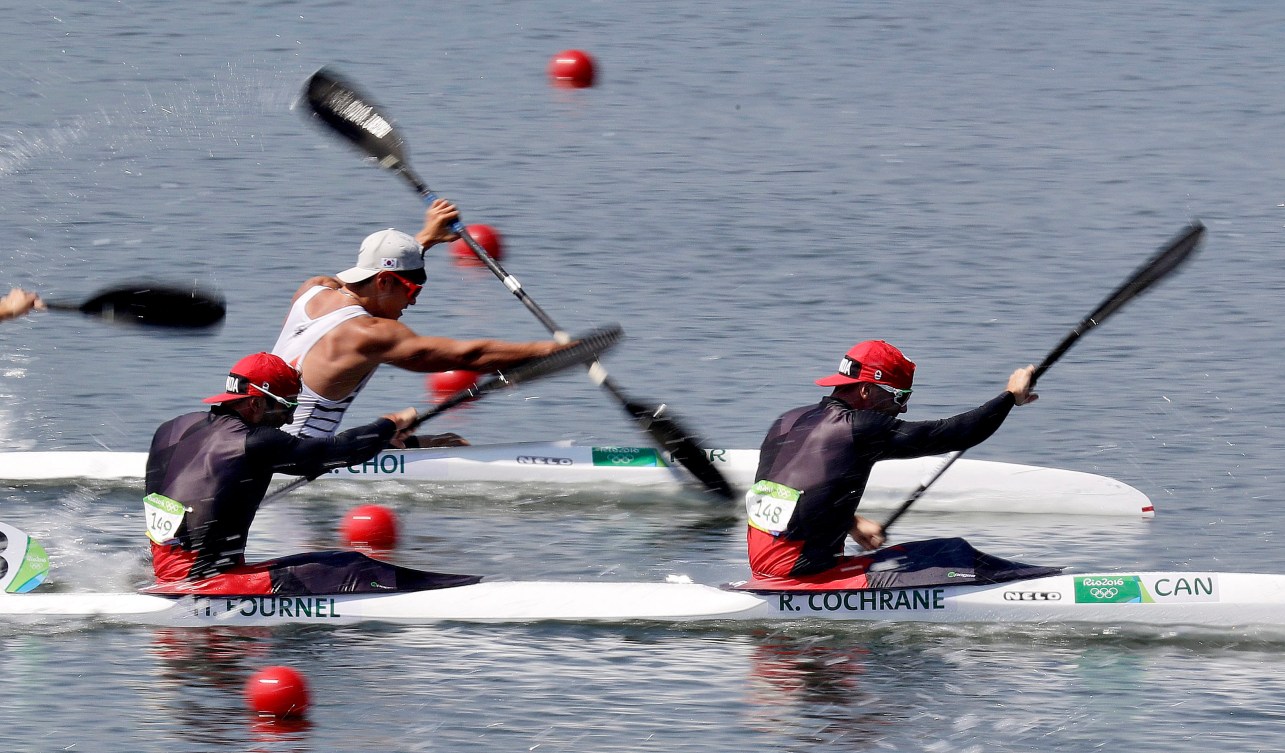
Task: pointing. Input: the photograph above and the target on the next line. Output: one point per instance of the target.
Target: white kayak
(1219, 600)
(969, 486)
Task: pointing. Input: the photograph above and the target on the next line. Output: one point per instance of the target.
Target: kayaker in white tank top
(354, 329)
(316, 416)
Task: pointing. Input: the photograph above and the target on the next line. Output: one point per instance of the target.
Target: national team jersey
(813, 467)
(207, 472)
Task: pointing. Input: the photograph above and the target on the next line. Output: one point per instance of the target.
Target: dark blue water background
(748, 191)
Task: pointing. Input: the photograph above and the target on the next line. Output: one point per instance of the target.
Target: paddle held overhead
(350, 113)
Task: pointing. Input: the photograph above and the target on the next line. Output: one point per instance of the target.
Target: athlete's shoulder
(790, 420)
(837, 411)
(320, 281)
(269, 440)
(178, 424)
(187, 418)
(375, 330)
(870, 421)
(792, 415)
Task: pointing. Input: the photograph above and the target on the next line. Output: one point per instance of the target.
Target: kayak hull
(1218, 600)
(969, 486)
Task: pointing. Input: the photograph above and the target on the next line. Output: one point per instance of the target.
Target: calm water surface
(748, 191)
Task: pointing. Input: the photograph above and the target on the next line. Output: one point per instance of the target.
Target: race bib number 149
(164, 516)
(770, 506)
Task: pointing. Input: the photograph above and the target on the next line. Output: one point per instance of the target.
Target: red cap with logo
(873, 361)
(261, 374)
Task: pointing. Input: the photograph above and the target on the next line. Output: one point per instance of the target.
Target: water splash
(219, 111)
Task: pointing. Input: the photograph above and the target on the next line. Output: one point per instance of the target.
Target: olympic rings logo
(635, 459)
(1104, 593)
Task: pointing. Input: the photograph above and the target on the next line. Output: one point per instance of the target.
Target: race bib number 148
(770, 506)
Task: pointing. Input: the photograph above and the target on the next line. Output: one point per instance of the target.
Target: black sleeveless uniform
(826, 451)
(218, 468)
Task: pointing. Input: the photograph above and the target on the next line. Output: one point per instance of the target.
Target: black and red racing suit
(826, 452)
(218, 467)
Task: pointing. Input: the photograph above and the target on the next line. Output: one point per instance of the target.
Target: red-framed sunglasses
(412, 288)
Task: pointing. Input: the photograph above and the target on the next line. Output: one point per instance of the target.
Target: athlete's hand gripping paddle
(1157, 268)
(350, 113)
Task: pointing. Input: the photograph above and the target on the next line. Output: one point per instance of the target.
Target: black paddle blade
(157, 306)
(1168, 259)
(352, 114)
(586, 350)
(671, 437)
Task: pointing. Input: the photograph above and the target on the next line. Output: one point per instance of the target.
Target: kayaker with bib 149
(341, 329)
(815, 461)
(207, 473)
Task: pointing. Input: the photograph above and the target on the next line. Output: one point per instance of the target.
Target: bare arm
(388, 341)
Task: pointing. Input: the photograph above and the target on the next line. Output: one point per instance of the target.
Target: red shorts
(772, 558)
(329, 572)
(171, 564)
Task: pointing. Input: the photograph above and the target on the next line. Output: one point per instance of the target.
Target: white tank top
(316, 416)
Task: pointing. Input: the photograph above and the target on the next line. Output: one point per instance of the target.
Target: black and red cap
(873, 361)
(260, 374)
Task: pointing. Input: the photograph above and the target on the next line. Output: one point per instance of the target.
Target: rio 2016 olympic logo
(626, 456)
(1108, 589)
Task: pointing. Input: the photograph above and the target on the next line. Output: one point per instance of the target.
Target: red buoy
(487, 237)
(443, 384)
(277, 691)
(572, 68)
(369, 526)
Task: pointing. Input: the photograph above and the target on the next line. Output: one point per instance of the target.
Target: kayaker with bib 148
(341, 329)
(207, 473)
(815, 461)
